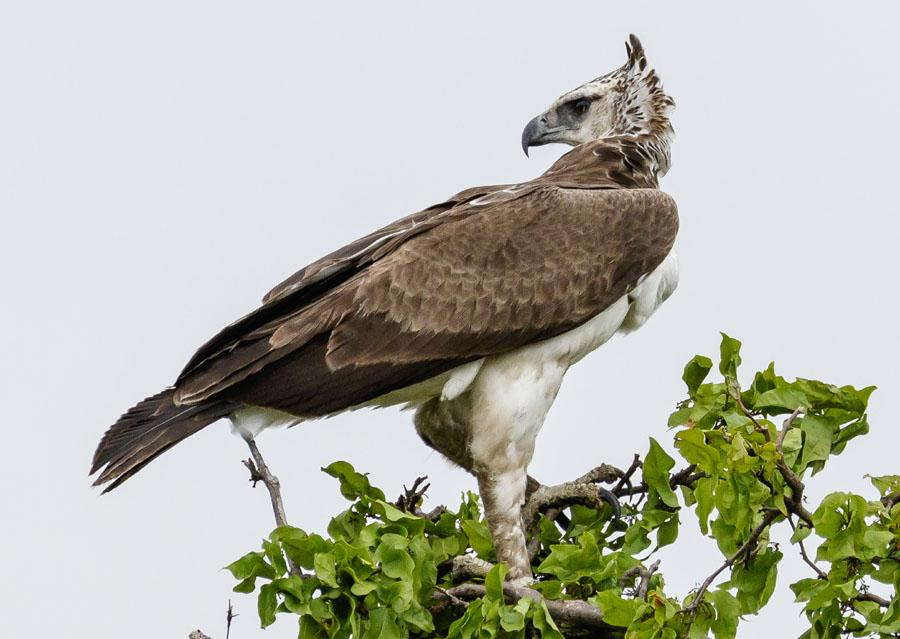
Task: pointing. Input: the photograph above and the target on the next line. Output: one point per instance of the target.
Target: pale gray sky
(163, 163)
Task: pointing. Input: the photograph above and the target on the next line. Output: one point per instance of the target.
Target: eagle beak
(534, 132)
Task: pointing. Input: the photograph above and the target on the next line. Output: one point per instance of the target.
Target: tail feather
(145, 432)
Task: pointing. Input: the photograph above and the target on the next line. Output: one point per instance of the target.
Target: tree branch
(809, 562)
(569, 613)
(229, 617)
(411, 498)
(259, 472)
(795, 503)
(768, 518)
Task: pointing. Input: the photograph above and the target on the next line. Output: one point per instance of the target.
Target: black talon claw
(612, 500)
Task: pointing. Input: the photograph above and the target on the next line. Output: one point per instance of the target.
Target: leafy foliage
(385, 572)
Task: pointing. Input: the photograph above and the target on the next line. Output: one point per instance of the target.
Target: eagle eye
(581, 106)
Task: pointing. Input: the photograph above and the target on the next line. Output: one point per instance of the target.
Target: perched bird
(471, 310)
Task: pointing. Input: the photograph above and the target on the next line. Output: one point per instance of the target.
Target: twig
(736, 396)
(259, 472)
(891, 499)
(451, 598)
(645, 579)
(643, 586)
(809, 562)
(868, 596)
(795, 503)
(411, 497)
(684, 477)
(229, 616)
(768, 518)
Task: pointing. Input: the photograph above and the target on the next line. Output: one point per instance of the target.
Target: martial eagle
(471, 311)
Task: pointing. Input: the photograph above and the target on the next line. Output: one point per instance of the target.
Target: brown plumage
(542, 257)
(472, 309)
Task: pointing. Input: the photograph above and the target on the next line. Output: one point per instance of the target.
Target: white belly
(626, 314)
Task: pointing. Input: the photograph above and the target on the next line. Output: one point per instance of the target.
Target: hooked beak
(538, 132)
(533, 133)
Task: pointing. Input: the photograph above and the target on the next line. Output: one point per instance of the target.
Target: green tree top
(387, 569)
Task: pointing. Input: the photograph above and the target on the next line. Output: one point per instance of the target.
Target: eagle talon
(610, 498)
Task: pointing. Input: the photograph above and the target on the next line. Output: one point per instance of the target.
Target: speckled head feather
(628, 102)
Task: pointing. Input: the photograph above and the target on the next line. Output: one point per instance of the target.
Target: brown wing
(493, 274)
(311, 282)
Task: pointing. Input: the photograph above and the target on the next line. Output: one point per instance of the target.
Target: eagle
(470, 311)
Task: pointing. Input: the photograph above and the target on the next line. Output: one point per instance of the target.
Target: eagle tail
(145, 432)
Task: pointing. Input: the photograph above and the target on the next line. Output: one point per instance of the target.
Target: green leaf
(570, 562)
(724, 626)
(383, 625)
(705, 496)
(311, 629)
(691, 443)
(493, 582)
(780, 400)
(730, 356)
(266, 604)
(512, 618)
(800, 533)
(657, 465)
(617, 611)
(667, 533)
(817, 433)
(354, 485)
(695, 371)
(248, 568)
(755, 581)
(544, 623)
(479, 537)
(324, 565)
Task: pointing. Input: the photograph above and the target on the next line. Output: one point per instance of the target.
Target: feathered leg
(510, 400)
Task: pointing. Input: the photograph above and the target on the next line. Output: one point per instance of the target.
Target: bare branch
(645, 579)
(687, 476)
(229, 617)
(259, 471)
(868, 596)
(643, 586)
(809, 562)
(411, 498)
(747, 413)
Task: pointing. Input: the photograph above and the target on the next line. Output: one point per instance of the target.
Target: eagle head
(627, 101)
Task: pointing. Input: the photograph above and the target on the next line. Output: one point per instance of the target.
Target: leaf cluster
(384, 572)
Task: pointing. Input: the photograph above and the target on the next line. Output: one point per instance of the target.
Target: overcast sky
(163, 163)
